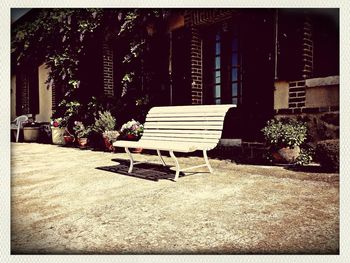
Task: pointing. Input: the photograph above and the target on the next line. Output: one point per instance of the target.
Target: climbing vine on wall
(59, 38)
(56, 37)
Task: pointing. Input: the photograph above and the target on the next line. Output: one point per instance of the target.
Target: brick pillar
(196, 67)
(307, 49)
(54, 96)
(296, 94)
(108, 82)
(25, 95)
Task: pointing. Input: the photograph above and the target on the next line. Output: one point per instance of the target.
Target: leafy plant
(327, 153)
(105, 122)
(284, 133)
(112, 136)
(59, 37)
(132, 129)
(80, 130)
(58, 122)
(305, 157)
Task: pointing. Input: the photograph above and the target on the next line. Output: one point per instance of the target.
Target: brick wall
(25, 95)
(196, 67)
(296, 94)
(193, 19)
(54, 96)
(108, 83)
(307, 49)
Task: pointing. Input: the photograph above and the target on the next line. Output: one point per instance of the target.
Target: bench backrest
(200, 124)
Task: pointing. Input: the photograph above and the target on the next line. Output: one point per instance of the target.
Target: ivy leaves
(59, 36)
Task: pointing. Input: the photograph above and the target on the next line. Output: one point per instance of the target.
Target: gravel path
(72, 201)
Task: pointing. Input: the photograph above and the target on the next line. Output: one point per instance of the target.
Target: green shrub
(104, 122)
(284, 133)
(327, 154)
(305, 157)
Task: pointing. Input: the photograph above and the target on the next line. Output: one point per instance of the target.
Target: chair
(17, 124)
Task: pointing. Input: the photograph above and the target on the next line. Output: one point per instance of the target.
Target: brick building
(269, 62)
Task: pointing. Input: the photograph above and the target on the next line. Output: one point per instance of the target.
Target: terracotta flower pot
(286, 155)
(68, 139)
(82, 142)
(108, 144)
(137, 150)
(131, 137)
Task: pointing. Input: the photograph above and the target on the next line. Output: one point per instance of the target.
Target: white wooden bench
(180, 129)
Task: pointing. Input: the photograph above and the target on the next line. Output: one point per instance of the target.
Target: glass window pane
(234, 89)
(217, 37)
(218, 101)
(217, 62)
(234, 74)
(217, 48)
(217, 76)
(234, 59)
(235, 44)
(217, 91)
(234, 101)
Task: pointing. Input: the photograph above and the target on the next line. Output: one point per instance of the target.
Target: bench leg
(131, 159)
(176, 164)
(207, 161)
(161, 158)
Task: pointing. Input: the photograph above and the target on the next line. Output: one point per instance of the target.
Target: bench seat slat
(198, 122)
(162, 146)
(185, 127)
(185, 118)
(179, 132)
(187, 109)
(180, 135)
(186, 114)
(181, 139)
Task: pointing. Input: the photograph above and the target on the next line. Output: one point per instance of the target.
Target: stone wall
(315, 101)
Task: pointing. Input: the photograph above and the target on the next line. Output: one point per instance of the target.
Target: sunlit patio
(67, 200)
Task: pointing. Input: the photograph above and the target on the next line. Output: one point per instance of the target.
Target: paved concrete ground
(67, 200)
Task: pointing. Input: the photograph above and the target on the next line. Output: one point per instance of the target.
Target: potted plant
(31, 131)
(109, 138)
(104, 126)
(58, 129)
(104, 122)
(284, 137)
(81, 133)
(132, 131)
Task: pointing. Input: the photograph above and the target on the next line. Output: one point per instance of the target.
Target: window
(235, 65)
(217, 70)
(223, 63)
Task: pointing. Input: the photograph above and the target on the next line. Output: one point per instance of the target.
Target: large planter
(286, 155)
(31, 134)
(57, 135)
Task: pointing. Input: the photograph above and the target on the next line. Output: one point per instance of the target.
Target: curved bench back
(200, 124)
